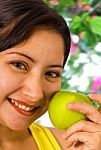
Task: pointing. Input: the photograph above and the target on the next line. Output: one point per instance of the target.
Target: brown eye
(52, 75)
(19, 65)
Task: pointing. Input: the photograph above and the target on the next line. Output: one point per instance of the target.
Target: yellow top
(43, 137)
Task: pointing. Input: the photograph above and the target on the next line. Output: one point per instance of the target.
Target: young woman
(34, 46)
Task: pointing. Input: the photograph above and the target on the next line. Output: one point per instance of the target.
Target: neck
(7, 134)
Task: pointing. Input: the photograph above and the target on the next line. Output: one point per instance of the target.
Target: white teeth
(16, 104)
(27, 108)
(19, 106)
(12, 100)
(23, 107)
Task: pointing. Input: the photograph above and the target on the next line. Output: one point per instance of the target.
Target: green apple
(62, 117)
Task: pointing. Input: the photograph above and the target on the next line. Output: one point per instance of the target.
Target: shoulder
(57, 133)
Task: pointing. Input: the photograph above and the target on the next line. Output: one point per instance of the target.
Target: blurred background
(82, 72)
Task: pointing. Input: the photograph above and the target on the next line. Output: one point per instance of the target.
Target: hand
(86, 134)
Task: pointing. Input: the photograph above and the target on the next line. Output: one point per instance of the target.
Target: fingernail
(70, 105)
(91, 94)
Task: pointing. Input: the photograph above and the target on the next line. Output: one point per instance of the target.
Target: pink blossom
(92, 16)
(86, 7)
(74, 48)
(96, 84)
(54, 2)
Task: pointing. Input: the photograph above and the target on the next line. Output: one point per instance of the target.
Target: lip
(21, 111)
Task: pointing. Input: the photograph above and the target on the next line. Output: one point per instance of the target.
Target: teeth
(19, 106)
(23, 107)
(12, 101)
(16, 104)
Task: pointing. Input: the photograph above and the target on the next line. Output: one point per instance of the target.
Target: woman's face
(29, 75)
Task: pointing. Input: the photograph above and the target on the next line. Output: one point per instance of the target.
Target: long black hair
(20, 18)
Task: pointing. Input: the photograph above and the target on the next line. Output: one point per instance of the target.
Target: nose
(32, 88)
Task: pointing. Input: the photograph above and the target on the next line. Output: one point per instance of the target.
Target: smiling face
(30, 74)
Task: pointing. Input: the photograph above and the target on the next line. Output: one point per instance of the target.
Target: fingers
(77, 137)
(87, 139)
(95, 97)
(90, 111)
(82, 126)
(86, 132)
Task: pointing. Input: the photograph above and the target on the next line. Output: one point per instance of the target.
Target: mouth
(22, 107)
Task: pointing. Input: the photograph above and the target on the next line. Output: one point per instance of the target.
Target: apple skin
(62, 117)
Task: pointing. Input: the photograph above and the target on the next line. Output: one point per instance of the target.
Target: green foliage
(95, 24)
(85, 22)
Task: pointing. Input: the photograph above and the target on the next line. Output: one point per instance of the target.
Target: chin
(18, 126)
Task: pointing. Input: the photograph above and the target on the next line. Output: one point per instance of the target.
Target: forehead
(46, 38)
(43, 41)
(44, 45)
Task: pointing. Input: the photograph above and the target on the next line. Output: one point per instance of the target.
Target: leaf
(67, 2)
(95, 24)
(86, 2)
(91, 39)
(79, 24)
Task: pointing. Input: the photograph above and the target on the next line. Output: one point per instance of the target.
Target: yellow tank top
(43, 137)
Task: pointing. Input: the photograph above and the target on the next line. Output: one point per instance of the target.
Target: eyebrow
(55, 65)
(31, 59)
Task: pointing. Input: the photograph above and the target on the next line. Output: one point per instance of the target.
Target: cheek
(8, 83)
(52, 88)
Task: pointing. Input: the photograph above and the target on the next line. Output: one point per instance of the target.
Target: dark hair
(20, 18)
